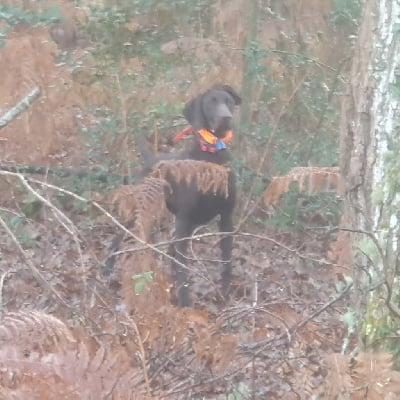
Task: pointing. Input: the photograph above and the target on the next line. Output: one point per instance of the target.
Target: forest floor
(275, 338)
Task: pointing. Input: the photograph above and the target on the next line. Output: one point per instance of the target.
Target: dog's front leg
(183, 229)
(226, 225)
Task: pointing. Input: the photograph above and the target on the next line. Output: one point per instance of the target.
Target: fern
(371, 377)
(309, 179)
(34, 331)
(208, 177)
(59, 366)
(143, 204)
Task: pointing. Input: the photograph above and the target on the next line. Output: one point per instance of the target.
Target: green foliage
(307, 129)
(124, 30)
(141, 280)
(99, 139)
(255, 56)
(18, 225)
(114, 39)
(346, 13)
(12, 15)
(300, 210)
(108, 31)
(136, 29)
(31, 205)
(292, 150)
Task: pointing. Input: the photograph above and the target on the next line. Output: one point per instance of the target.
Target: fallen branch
(25, 181)
(20, 107)
(62, 172)
(35, 271)
(262, 345)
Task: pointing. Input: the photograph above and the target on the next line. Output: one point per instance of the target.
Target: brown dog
(210, 115)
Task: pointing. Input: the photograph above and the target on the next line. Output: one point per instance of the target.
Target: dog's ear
(233, 93)
(193, 112)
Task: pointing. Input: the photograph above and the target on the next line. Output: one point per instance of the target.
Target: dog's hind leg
(183, 229)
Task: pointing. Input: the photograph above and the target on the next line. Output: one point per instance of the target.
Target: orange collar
(208, 141)
(210, 138)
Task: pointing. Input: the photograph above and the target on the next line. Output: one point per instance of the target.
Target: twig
(213, 379)
(60, 216)
(95, 174)
(20, 107)
(308, 58)
(276, 51)
(2, 279)
(290, 53)
(106, 213)
(245, 234)
(321, 118)
(281, 320)
(245, 211)
(322, 308)
(35, 272)
(261, 345)
(66, 222)
(142, 354)
(393, 308)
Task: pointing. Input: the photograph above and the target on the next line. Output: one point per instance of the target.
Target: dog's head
(213, 110)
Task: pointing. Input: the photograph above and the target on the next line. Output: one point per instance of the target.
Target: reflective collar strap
(209, 142)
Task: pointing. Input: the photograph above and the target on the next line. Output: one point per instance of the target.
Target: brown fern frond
(208, 177)
(37, 389)
(144, 204)
(309, 179)
(74, 373)
(136, 199)
(373, 374)
(82, 375)
(34, 330)
(96, 375)
(338, 383)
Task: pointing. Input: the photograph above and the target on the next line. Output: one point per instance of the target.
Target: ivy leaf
(148, 276)
(139, 285)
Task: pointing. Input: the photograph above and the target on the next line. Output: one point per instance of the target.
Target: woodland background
(114, 72)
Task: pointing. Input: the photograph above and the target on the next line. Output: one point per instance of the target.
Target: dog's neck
(211, 143)
(194, 151)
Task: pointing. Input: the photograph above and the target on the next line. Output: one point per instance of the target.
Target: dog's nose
(226, 119)
(223, 111)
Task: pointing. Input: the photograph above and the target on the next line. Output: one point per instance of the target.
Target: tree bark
(370, 165)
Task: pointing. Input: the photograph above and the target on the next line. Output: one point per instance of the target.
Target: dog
(210, 115)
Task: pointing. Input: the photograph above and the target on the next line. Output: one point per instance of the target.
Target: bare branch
(20, 107)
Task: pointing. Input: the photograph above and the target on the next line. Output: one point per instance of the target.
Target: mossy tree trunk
(370, 167)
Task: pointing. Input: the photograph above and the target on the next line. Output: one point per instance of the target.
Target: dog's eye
(230, 102)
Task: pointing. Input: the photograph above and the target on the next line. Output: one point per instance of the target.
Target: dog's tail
(149, 159)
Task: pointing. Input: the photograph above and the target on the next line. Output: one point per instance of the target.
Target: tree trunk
(370, 168)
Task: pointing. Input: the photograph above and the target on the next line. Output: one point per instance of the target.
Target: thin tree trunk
(370, 165)
(249, 77)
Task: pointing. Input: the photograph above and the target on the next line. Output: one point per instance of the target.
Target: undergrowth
(299, 211)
